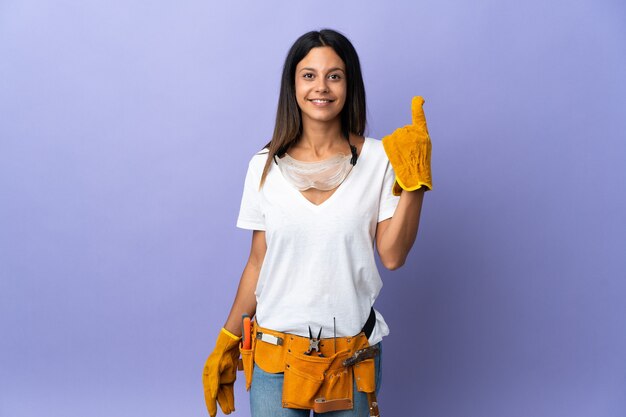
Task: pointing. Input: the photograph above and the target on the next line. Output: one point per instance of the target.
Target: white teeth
(320, 101)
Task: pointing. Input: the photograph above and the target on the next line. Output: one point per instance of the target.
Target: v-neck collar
(306, 202)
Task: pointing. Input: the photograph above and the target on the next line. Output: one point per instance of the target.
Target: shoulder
(374, 143)
(375, 149)
(257, 162)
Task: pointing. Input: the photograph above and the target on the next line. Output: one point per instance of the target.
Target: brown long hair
(288, 127)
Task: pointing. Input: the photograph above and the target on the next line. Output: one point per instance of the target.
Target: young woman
(316, 198)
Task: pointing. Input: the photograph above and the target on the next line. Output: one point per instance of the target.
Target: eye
(308, 75)
(334, 77)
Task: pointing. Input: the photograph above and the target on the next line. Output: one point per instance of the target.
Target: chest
(317, 197)
(350, 208)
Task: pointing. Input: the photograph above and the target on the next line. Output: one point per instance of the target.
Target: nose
(322, 86)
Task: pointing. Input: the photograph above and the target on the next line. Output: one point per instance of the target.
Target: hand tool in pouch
(314, 343)
(246, 337)
(373, 404)
(359, 356)
(246, 332)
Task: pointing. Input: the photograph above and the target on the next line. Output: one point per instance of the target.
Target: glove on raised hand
(408, 149)
(220, 372)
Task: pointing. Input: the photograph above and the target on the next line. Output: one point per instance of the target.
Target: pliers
(314, 343)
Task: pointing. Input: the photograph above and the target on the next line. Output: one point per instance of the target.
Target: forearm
(396, 240)
(245, 300)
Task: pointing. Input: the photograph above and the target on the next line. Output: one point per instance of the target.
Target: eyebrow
(314, 70)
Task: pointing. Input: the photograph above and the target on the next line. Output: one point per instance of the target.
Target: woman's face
(321, 85)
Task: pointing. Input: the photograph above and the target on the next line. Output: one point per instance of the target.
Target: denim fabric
(267, 390)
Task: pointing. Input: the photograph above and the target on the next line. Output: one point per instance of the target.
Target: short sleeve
(388, 202)
(250, 213)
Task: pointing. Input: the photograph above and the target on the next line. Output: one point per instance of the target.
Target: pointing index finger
(419, 119)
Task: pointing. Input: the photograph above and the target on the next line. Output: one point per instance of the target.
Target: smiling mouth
(320, 100)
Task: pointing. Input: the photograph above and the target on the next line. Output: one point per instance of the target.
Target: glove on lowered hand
(408, 149)
(220, 372)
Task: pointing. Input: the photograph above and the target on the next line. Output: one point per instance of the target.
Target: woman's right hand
(220, 372)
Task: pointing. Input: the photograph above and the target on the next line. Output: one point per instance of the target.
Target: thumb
(419, 119)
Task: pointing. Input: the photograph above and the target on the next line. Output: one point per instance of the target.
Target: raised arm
(395, 236)
(408, 149)
(245, 300)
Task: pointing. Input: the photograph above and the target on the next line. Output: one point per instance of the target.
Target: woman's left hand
(408, 149)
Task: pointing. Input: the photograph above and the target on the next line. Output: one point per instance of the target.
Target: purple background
(125, 132)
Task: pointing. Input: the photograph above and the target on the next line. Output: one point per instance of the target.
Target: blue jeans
(266, 395)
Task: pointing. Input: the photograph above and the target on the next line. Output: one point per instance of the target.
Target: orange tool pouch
(312, 382)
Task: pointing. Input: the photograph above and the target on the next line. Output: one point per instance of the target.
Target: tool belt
(321, 383)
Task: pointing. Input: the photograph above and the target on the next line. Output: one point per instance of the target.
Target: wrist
(229, 334)
(415, 192)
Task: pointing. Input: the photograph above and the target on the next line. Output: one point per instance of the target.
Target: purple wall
(125, 130)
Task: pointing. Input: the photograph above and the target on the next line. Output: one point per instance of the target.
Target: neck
(321, 138)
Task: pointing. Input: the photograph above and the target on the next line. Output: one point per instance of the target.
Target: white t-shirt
(319, 262)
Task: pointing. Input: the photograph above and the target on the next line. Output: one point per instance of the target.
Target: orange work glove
(408, 149)
(220, 371)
